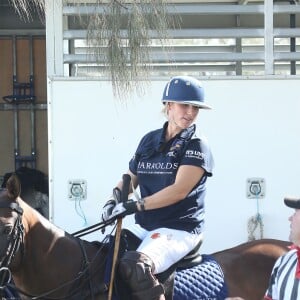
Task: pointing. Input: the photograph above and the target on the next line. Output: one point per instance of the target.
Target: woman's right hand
(107, 209)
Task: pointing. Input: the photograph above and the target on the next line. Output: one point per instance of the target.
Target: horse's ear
(13, 186)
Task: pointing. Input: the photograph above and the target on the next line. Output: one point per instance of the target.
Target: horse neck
(39, 231)
(52, 256)
(42, 239)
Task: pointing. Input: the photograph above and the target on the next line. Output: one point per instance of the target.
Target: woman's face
(295, 227)
(182, 115)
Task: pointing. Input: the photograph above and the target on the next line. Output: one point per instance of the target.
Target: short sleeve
(198, 153)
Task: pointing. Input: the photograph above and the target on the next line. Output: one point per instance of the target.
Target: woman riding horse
(48, 263)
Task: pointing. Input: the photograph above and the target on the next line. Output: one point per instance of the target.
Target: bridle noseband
(15, 240)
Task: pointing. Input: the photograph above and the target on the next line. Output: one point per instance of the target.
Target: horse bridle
(14, 242)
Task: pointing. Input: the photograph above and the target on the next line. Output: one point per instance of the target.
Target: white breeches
(163, 245)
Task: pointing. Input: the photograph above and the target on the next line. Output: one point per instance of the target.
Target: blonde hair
(165, 109)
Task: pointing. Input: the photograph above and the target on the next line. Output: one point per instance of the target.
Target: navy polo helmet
(186, 90)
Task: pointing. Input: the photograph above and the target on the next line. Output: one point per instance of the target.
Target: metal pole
(32, 110)
(269, 38)
(293, 41)
(16, 114)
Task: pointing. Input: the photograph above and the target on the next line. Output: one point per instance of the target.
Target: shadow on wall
(34, 188)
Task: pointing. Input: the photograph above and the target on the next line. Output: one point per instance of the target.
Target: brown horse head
(11, 229)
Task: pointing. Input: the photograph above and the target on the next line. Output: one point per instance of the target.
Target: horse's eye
(7, 229)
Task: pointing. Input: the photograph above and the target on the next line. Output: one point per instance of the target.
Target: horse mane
(29, 179)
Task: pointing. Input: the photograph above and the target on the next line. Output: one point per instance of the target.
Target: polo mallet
(124, 197)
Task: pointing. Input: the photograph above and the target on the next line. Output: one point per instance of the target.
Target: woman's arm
(187, 177)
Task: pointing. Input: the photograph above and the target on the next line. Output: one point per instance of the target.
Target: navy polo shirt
(156, 163)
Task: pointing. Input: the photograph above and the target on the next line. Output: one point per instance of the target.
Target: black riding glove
(124, 208)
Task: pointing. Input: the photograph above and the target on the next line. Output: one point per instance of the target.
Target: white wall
(253, 131)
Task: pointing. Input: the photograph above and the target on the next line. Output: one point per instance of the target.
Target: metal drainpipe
(293, 40)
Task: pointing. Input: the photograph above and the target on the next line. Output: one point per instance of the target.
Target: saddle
(129, 242)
